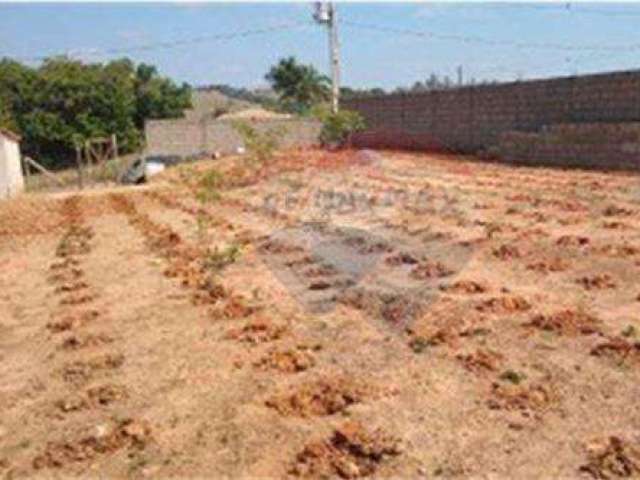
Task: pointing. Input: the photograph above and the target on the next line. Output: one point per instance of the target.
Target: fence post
(114, 145)
(88, 155)
(27, 170)
(79, 165)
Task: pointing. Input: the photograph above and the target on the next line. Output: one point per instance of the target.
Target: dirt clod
(615, 211)
(77, 298)
(350, 452)
(257, 331)
(566, 322)
(525, 398)
(506, 304)
(481, 362)
(319, 285)
(549, 266)
(287, 361)
(325, 396)
(106, 394)
(71, 403)
(129, 434)
(77, 342)
(71, 321)
(508, 252)
(80, 371)
(612, 458)
(279, 247)
(573, 241)
(597, 282)
(619, 350)
(71, 287)
(428, 270)
(401, 258)
(469, 287)
(236, 306)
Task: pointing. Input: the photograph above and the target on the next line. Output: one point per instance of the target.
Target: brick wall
(185, 138)
(470, 119)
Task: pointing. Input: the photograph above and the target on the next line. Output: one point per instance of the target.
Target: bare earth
(341, 314)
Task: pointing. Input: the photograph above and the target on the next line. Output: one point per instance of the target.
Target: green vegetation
(419, 344)
(218, 259)
(62, 102)
(209, 185)
(298, 86)
(338, 127)
(629, 331)
(512, 376)
(260, 145)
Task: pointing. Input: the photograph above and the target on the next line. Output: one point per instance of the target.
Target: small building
(11, 179)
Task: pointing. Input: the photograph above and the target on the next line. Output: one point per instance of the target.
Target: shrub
(338, 127)
(217, 259)
(512, 376)
(209, 185)
(260, 145)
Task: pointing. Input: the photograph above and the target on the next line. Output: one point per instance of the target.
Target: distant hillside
(258, 95)
(210, 103)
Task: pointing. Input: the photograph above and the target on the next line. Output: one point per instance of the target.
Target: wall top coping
(185, 121)
(496, 86)
(10, 135)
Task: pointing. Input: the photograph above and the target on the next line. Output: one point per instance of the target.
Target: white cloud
(87, 55)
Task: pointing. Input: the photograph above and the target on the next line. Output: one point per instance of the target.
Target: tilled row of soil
(510, 246)
(351, 450)
(91, 357)
(488, 333)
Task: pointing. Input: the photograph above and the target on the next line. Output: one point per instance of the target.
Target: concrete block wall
(173, 137)
(609, 146)
(470, 119)
(185, 138)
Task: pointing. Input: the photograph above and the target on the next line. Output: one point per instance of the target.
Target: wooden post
(27, 170)
(79, 165)
(32, 163)
(87, 158)
(114, 146)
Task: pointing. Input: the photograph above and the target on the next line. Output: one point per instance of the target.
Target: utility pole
(460, 79)
(326, 14)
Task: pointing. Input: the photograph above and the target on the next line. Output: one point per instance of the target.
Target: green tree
(16, 88)
(158, 97)
(73, 101)
(347, 93)
(64, 102)
(6, 118)
(299, 86)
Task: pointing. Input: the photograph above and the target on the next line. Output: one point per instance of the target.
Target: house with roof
(11, 179)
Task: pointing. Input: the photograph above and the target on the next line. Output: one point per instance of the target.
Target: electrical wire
(572, 8)
(486, 41)
(179, 43)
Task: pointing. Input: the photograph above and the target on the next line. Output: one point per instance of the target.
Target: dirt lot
(338, 314)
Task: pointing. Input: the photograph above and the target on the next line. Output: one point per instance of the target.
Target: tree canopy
(299, 86)
(65, 101)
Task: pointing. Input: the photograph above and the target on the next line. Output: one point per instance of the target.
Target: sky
(381, 44)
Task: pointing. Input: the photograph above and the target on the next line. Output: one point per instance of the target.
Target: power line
(179, 43)
(490, 42)
(573, 8)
